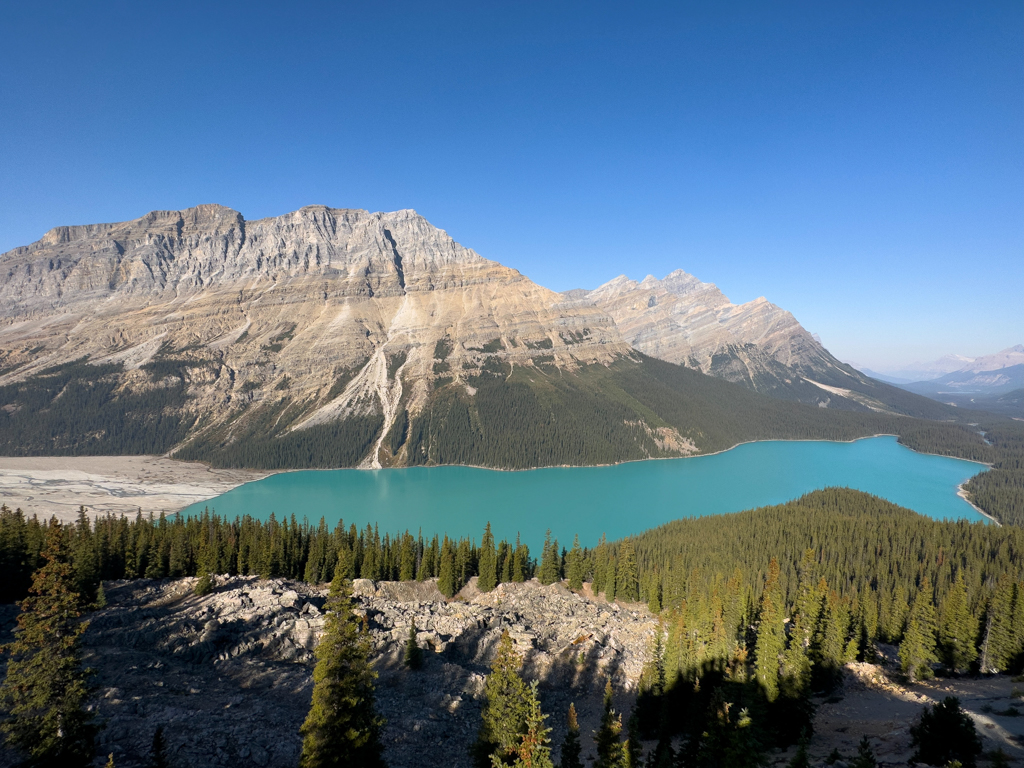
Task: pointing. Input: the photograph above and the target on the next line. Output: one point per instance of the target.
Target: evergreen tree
(800, 759)
(610, 751)
(488, 578)
(633, 748)
(627, 585)
(413, 652)
(45, 691)
(945, 733)
(520, 555)
(571, 747)
(998, 646)
(771, 634)
(158, 751)
(533, 750)
(446, 576)
(342, 727)
(917, 650)
(549, 561)
(506, 708)
(575, 566)
(865, 756)
(958, 629)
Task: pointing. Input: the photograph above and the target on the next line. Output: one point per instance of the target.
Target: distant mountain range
(949, 364)
(329, 337)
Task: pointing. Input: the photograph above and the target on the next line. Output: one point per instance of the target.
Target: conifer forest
(759, 611)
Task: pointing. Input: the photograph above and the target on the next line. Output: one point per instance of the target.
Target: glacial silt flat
(615, 500)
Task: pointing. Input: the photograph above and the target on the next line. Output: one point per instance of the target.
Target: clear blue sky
(860, 164)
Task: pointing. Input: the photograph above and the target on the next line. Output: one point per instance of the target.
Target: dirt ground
(871, 704)
(119, 485)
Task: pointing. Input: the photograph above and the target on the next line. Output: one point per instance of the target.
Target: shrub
(944, 734)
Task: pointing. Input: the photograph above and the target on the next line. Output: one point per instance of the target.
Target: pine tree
(865, 756)
(958, 628)
(945, 733)
(627, 585)
(506, 708)
(159, 749)
(533, 750)
(446, 575)
(571, 747)
(771, 636)
(342, 727)
(632, 750)
(917, 650)
(413, 653)
(610, 751)
(45, 691)
(998, 647)
(549, 565)
(488, 578)
(575, 566)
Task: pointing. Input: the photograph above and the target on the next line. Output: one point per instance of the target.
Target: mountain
(328, 337)
(759, 345)
(985, 377)
(921, 372)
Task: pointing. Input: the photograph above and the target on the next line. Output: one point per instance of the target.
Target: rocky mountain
(330, 338)
(758, 344)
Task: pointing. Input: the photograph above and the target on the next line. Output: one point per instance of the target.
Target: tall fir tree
(446, 574)
(506, 708)
(549, 561)
(771, 634)
(917, 649)
(488, 577)
(611, 751)
(997, 645)
(571, 747)
(342, 727)
(413, 653)
(575, 566)
(958, 628)
(627, 585)
(533, 750)
(45, 690)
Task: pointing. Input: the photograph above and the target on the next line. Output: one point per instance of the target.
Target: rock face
(229, 675)
(685, 321)
(289, 305)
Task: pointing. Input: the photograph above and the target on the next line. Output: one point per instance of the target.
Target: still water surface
(616, 500)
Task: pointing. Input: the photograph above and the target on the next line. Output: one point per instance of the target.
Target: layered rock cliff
(758, 344)
(343, 311)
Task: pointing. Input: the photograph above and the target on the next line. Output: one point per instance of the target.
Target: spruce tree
(633, 749)
(571, 747)
(771, 635)
(533, 750)
(45, 690)
(413, 653)
(549, 565)
(575, 566)
(342, 727)
(958, 628)
(627, 586)
(506, 708)
(945, 733)
(611, 752)
(158, 751)
(997, 646)
(488, 577)
(917, 649)
(865, 755)
(446, 575)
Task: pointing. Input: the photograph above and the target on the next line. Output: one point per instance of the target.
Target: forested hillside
(500, 415)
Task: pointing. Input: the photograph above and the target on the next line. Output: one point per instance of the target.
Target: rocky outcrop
(229, 675)
(342, 312)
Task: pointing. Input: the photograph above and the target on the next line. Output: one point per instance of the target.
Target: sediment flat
(117, 485)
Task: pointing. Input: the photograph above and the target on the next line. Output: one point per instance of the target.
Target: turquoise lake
(615, 500)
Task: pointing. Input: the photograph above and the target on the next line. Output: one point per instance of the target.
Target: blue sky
(860, 164)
